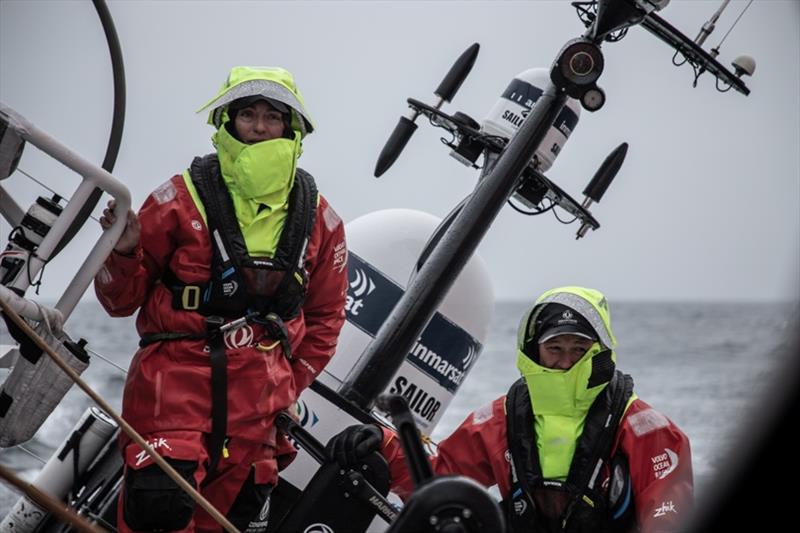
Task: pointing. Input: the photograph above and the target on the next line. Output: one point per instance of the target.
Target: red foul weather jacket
(169, 383)
(657, 450)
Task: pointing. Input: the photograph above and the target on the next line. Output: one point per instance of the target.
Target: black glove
(353, 444)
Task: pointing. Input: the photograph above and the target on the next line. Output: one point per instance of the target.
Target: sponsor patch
(239, 338)
(385, 509)
(444, 351)
(520, 506)
(260, 524)
(307, 365)
(164, 193)
(419, 400)
(143, 456)
(361, 287)
(339, 256)
(229, 288)
(306, 416)
(646, 421)
(664, 463)
(482, 414)
(664, 508)
(331, 218)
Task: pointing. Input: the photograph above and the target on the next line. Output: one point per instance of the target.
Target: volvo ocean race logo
(229, 288)
(665, 463)
(361, 287)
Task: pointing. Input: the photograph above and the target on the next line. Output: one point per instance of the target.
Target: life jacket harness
(578, 503)
(239, 282)
(264, 290)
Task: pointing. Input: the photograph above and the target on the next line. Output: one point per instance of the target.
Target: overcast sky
(706, 206)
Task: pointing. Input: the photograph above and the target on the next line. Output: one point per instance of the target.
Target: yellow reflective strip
(587, 500)
(187, 180)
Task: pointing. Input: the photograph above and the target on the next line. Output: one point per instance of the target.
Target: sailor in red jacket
(570, 447)
(238, 270)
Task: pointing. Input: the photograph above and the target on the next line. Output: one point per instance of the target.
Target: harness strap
(595, 448)
(219, 392)
(185, 296)
(218, 359)
(74, 444)
(239, 282)
(277, 329)
(592, 450)
(150, 338)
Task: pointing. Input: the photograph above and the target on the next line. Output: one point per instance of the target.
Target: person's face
(563, 351)
(258, 122)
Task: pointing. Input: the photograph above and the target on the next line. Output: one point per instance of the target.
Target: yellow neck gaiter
(260, 178)
(560, 401)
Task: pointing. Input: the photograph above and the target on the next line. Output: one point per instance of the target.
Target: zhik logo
(143, 456)
(666, 507)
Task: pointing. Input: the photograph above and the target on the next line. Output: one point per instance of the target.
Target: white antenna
(708, 27)
(743, 65)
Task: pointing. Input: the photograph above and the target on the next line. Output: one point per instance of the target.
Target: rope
(48, 502)
(109, 361)
(21, 447)
(43, 186)
(430, 445)
(132, 433)
(734, 23)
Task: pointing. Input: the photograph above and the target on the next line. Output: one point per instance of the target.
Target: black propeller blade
(445, 91)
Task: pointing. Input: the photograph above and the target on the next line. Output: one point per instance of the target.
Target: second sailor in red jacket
(570, 447)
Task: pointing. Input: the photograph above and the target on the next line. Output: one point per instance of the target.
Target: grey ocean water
(705, 365)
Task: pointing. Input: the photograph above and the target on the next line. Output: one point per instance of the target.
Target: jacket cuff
(126, 264)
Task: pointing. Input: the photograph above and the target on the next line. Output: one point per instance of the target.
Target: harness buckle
(214, 323)
(190, 297)
(277, 329)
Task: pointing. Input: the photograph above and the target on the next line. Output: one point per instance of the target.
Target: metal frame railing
(93, 177)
